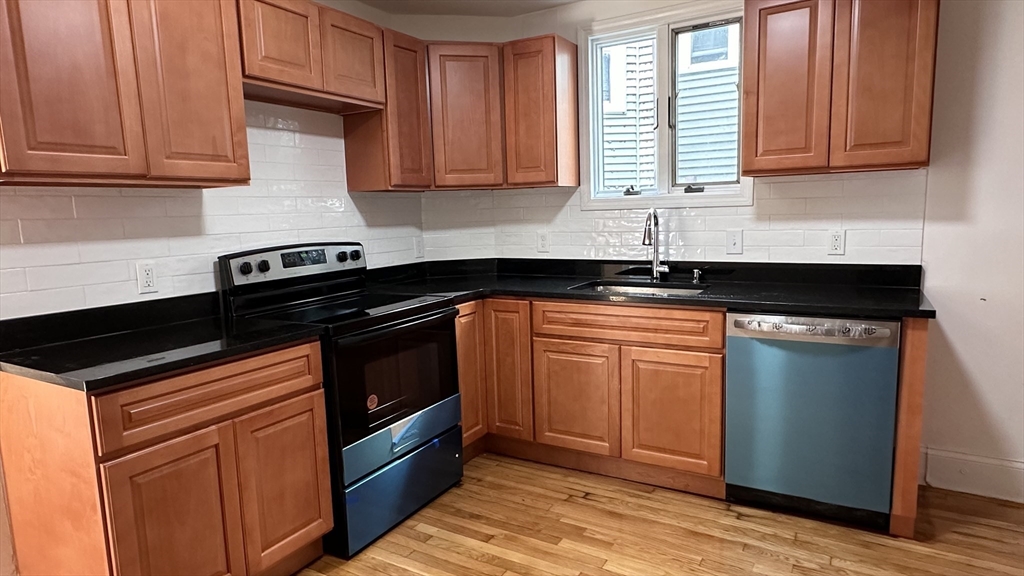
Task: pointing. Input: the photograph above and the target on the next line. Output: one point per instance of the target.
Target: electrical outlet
(544, 241)
(147, 277)
(734, 242)
(837, 242)
(417, 247)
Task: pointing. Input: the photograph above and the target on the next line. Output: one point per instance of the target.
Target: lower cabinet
(285, 479)
(174, 508)
(672, 409)
(469, 339)
(576, 395)
(508, 368)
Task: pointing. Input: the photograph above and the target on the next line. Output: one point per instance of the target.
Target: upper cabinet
(466, 114)
(837, 85)
(391, 149)
(281, 41)
(540, 112)
(883, 71)
(69, 97)
(353, 56)
(194, 128)
(115, 92)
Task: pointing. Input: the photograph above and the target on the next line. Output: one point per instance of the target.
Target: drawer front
(630, 324)
(154, 411)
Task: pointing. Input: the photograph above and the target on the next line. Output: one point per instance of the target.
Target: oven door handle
(398, 327)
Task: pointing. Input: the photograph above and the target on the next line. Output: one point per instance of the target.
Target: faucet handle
(696, 275)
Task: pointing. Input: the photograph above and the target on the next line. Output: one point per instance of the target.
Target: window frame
(664, 24)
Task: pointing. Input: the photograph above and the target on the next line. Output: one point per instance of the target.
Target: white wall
(974, 252)
(66, 248)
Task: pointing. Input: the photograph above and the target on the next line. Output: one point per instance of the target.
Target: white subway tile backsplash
(34, 302)
(119, 207)
(36, 231)
(38, 207)
(10, 232)
(13, 281)
(48, 277)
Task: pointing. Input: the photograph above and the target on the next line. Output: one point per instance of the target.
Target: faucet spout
(651, 239)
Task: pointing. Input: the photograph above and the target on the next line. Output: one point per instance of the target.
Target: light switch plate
(147, 277)
(734, 242)
(837, 242)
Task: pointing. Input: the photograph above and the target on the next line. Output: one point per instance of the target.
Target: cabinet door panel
(408, 121)
(353, 56)
(508, 368)
(469, 337)
(576, 395)
(530, 111)
(465, 110)
(884, 66)
(672, 409)
(174, 509)
(69, 99)
(281, 41)
(787, 70)
(191, 82)
(285, 478)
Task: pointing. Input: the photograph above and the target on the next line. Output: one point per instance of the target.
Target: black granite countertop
(101, 348)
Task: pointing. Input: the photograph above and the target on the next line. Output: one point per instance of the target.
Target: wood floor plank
(515, 518)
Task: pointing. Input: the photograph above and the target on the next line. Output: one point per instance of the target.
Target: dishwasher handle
(839, 330)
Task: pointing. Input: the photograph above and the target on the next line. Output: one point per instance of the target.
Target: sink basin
(649, 289)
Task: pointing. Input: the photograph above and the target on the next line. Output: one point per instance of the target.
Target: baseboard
(991, 477)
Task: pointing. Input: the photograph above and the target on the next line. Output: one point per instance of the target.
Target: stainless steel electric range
(390, 378)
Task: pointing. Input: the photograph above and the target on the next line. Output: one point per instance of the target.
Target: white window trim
(663, 21)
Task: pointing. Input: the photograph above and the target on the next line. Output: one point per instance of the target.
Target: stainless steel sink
(650, 290)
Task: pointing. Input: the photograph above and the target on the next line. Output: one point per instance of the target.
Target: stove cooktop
(349, 314)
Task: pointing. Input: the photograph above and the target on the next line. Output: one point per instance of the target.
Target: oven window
(383, 381)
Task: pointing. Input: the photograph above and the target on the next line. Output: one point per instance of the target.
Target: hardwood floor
(510, 517)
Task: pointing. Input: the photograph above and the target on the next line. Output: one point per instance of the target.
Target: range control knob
(263, 266)
(356, 255)
(342, 256)
(245, 268)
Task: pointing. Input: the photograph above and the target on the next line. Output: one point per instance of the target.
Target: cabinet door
(469, 338)
(173, 508)
(410, 161)
(69, 98)
(190, 77)
(285, 479)
(281, 41)
(884, 66)
(787, 70)
(576, 395)
(672, 409)
(353, 56)
(530, 111)
(465, 111)
(508, 369)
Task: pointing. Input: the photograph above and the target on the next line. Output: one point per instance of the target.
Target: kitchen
(333, 259)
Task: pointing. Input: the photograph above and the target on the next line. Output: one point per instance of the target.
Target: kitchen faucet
(651, 239)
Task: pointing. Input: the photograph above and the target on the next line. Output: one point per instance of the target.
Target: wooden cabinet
(191, 82)
(114, 92)
(174, 508)
(787, 71)
(285, 479)
(469, 339)
(353, 55)
(508, 368)
(576, 395)
(466, 115)
(672, 409)
(281, 41)
(219, 471)
(837, 85)
(391, 149)
(541, 146)
(69, 97)
(883, 72)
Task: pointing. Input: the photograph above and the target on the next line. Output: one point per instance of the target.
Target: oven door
(392, 372)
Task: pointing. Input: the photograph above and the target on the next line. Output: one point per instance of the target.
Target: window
(664, 115)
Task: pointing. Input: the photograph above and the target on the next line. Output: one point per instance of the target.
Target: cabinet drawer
(630, 324)
(157, 410)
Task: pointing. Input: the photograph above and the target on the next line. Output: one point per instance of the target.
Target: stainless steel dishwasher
(810, 415)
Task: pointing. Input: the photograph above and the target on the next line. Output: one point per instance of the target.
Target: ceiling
(465, 7)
